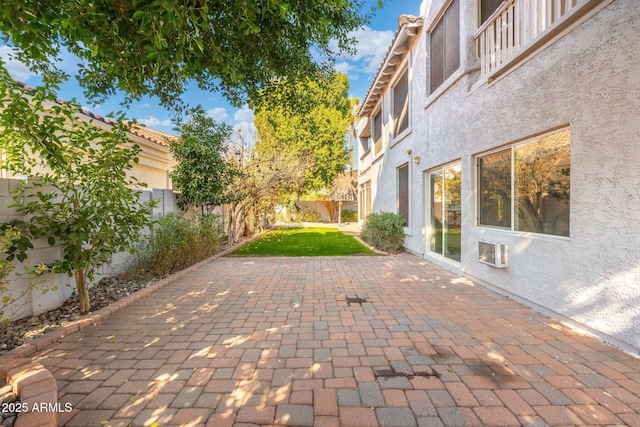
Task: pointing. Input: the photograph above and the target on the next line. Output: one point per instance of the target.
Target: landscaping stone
(106, 292)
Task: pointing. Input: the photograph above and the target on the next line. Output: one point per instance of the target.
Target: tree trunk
(232, 212)
(83, 291)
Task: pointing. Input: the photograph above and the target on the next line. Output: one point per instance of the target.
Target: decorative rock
(7, 419)
(104, 293)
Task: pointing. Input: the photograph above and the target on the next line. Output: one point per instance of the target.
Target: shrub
(176, 242)
(349, 216)
(6, 267)
(309, 216)
(385, 231)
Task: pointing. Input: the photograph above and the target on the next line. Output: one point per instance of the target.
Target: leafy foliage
(203, 173)
(176, 242)
(155, 47)
(267, 179)
(80, 195)
(12, 243)
(7, 238)
(385, 231)
(349, 215)
(317, 133)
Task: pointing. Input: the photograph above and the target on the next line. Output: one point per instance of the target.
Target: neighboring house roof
(153, 135)
(408, 28)
(140, 130)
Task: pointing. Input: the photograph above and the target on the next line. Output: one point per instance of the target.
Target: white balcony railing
(516, 24)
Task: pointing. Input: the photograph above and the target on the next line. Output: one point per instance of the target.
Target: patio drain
(392, 373)
(355, 300)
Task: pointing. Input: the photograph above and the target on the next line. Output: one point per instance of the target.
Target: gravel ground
(107, 291)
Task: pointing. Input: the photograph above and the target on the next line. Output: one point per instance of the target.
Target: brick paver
(273, 341)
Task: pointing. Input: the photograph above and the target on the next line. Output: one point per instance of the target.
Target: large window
(403, 192)
(445, 207)
(401, 104)
(444, 46)
(494, 180)
(377, 132)
(526, 187)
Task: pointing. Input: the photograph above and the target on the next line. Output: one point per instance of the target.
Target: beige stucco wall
(586, 78)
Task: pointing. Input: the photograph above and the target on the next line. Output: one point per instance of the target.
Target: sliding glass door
(445, 207)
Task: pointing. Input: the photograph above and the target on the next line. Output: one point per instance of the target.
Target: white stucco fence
(35, 301)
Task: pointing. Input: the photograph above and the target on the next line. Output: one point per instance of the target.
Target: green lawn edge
(304, 241)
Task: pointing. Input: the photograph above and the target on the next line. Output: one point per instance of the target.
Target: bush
(385, 231)
(7, 238)
(349, 216)
(176, 242)
(309, 216)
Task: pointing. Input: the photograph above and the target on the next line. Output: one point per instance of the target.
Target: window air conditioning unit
(493, 254)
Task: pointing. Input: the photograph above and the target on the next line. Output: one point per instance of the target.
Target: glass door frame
(450, 242)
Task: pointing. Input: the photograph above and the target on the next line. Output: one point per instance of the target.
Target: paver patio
(283, 341)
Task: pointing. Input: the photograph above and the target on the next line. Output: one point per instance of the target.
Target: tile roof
(137, 129)
(153, 135)
(408, 28)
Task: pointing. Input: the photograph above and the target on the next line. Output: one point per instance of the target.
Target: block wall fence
(53, 289)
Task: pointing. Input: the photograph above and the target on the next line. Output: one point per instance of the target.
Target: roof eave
(408, 29)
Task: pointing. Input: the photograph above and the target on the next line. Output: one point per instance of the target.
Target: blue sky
(372, 43)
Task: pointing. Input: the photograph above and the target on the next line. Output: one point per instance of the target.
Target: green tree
(203, 173)
(8, 236)
(318, 133)
(156, 47)
(79, 194)
(267, 179)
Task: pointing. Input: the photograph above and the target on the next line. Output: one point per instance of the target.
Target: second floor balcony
(520, 26)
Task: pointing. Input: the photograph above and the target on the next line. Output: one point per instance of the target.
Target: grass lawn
(304, 241)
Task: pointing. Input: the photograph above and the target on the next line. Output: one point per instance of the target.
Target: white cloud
(244, 128)
(371, 42)
(95, 108)
(218, 114)
(371, 46)
(145, 106)
(16, 69)
(248, 129)
(344, 67)
(245, 114)
(155, 122)
(68, 62)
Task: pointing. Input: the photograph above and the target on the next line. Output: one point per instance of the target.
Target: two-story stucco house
(507, 135)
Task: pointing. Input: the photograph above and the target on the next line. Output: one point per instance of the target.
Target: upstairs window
(401, 104)
(444, 46)
(377, 133)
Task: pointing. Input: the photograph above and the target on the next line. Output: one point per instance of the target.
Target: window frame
(403, 73)
(377, 149)
(430, 212)
(512, 147)
(399, 194)
(441, 25)
(365, 203)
